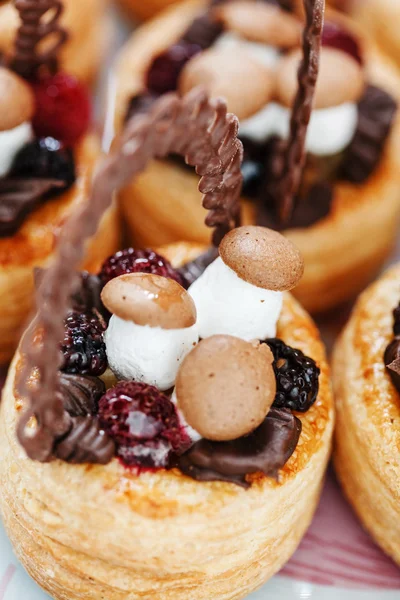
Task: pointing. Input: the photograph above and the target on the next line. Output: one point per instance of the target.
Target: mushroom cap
(261, 22)
(245, 83)
(340, 79)
(17, 101)
(225, 387)
(147, 299)
(262, 257)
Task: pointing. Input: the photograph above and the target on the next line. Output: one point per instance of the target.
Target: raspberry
(45, 158)
(164, 72)
(297, 377)
(334, 36)
(63, 108)
(137, 261)
(83, 346)
(144, 424)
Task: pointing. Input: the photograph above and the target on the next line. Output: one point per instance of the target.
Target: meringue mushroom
(152, 328)
(225, 387)
(261, 22)
(245, 83)
(17, 104)
(240, 293)
(340, 79)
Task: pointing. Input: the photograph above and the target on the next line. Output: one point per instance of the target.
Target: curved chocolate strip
(266, 451)
(28, 58)
(192, 270)
(288, 185)
(203, 131)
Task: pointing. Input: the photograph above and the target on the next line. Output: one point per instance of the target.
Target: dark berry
(297, 377)
(63, 108)
(137, 261)
(334, 36)
(144, 424)
(253, 173)
(45, 158)
(83, 346)
(165, 69)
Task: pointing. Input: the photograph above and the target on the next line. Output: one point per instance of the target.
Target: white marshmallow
(11, 142)
(192, 434)
(266, 55)
(148, 354)
(330, 130)
(229, 305)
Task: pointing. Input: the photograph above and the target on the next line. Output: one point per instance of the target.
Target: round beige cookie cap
(262, 257)
(147, 299)
(225, 387)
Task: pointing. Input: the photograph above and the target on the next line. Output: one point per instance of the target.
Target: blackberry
(137, 261)
(45, 158)
(83, 346)
(396, 317)
(297, 377)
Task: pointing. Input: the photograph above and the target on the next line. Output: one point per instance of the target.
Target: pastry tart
(145, 10)
(87, 26)
(347, 209)
(158, 480)
(366, 381)
(47, 155)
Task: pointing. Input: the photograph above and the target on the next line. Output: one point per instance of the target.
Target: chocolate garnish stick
(294, 158)
(35, 29)
(206, 135)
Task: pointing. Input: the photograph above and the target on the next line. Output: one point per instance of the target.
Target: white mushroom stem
(148, 354)
(226, 304)
(192, 434)
(11, 142)
(330, 130)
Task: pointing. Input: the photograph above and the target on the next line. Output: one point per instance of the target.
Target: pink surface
(337, 551)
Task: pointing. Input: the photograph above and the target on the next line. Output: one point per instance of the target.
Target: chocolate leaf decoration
(86, 442)
(19, 197)
(266, 450)
(392, 361)
(81, 393)
(376, 112)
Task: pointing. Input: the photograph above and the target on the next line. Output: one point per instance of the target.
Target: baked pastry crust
(342, 252)
(87, 25)
(34, 246)
(368, 414)
(95, 531)
(147, 9)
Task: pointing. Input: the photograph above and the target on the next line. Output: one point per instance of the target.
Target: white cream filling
(148, 354)
(11, 142)
(264, 54)
(192, 434)
(229, 305)
(330, 130)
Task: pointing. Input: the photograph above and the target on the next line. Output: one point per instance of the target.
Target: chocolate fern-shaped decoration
(39, 37)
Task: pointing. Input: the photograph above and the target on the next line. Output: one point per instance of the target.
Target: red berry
(137, 261)
(164, 72)
(334, 36)
(63, 108)
(144, 424)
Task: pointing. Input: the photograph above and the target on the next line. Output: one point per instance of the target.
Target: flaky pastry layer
(367, 450)
(103, 532)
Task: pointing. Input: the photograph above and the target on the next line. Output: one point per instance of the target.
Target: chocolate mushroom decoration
(240, 293)
(152, 328)
(202, 131)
